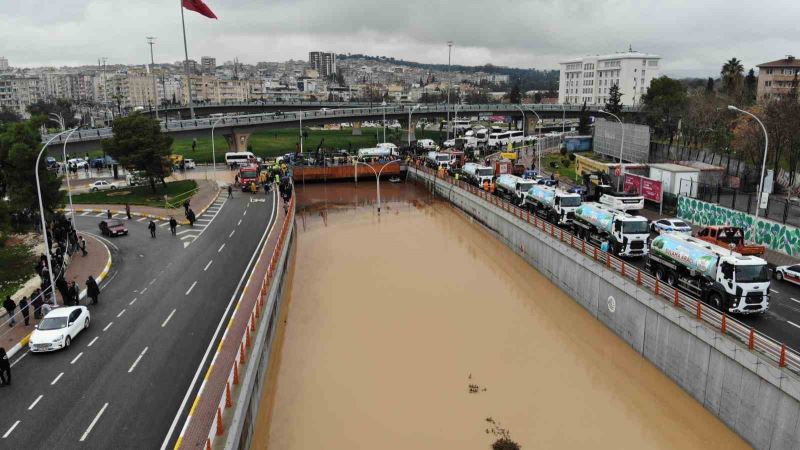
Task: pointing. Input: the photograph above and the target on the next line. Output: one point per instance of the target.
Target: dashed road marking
(132, 301)
(168, 317)
(121, 313)
(77, 358)
(141, 219)
(208, 265)
(162, 225)
(221, 247)
(774, 291)
(793, 324)
(58, 377)
(143, 291)
(108, 326)
(94, 422)
(133, 366)
(33, 405)
(239, 223)
(794, 299)
(231, 235)
(191, 287)
(100, 214)
(8, 433)
(152, 281)
(245, 212)
(93, 340)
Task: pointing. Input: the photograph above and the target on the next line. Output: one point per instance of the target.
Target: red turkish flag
(199, 7)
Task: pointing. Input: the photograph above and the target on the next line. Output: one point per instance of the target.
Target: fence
(177, 200)
(773, 350)
(209, 389)
(780, 208)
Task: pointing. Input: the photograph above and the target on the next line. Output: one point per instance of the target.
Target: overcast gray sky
(694, 37)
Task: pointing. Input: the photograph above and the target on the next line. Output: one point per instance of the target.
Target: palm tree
(732, 72)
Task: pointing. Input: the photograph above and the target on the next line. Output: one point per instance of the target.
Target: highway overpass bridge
(237, 129)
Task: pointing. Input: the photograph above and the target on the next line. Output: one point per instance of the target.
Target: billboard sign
(648, 188)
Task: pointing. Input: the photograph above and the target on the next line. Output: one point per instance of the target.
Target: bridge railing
(755, 341)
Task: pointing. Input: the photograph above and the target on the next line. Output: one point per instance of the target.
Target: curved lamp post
(378, 178)
(411, 111)
(766, 147)
(538, 139)
(213, 149)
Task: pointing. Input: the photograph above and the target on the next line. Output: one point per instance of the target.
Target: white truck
(554, 205)
(437, 159)
(720, 277)
(627, 235)
(622, 201)
(376, 152)
(513, 187)
(477, 174)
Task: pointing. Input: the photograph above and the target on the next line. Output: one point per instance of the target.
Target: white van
(240, 158)
(426, 144)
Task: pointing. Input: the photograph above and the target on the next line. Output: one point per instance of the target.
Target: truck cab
(745, 280)
(631, 234)
(565, 205)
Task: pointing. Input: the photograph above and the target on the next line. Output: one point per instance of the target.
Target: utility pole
(151, 42)
(449, 82)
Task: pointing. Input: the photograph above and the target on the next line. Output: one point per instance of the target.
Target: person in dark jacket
(190, 217)
(73, 294)
(37, 299)
(173, 225)
(92, 289)
(152, 227)
(10, 306)
(23, 308)
(5, 367)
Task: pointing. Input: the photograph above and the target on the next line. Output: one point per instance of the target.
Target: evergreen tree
(614, 103)
(514, 95)
(583, 122)
(138, 144)
(710, 86)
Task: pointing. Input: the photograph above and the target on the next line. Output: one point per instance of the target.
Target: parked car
(79, 163)
(189, 164)
(51, 162)
(113, 227)
(789, 273)
(59, 328)
(102, 185)
(670, 225)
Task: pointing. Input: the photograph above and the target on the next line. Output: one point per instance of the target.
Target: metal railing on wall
(777, 352)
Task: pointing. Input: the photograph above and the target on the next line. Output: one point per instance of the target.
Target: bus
(237, 159)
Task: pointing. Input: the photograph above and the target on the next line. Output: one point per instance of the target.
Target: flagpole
(186, 62)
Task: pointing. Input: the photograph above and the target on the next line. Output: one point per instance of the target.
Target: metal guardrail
(347, 114)
(779, 353)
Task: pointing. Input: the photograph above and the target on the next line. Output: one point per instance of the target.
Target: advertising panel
(648, 188)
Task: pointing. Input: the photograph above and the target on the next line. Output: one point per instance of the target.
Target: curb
(103, 274)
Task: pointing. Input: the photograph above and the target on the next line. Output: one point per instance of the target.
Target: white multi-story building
(3, 63)
(588, 79)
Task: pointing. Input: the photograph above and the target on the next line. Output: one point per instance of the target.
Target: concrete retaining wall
(755, 398)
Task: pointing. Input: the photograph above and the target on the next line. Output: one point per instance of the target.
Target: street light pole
(66, 175)
(764, 161)
(538, 140)
(563, 120)
(41, 212)
(621, 147)
(383, 103)
(449, 81)
(301, 132)
(411, 111)
(213, 149)
(151, 42)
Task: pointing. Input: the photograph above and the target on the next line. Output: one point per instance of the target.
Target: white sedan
(788, 273)
(101, 185)
(671, 226)
(58, 328)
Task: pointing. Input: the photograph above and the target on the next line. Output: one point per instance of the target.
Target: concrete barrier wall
(755, 398)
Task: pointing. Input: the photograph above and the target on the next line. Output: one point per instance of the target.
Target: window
(652, 63)
(769, 71)
(767, 83)
(788, 71)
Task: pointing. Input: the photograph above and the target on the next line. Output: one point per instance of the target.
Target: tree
(8, 115)
(614, 103)
(583, 122)
(710, 86)
(732, 76)
(60, 107)
(750, 86)
(20, 144)
(664, 104)
(514, 95)
(138, 144)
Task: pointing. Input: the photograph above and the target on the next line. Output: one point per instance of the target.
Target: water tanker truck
(722, 278)
(626, 234)
(513, 187)
(437, 159)
(477, 174)
(552, 204)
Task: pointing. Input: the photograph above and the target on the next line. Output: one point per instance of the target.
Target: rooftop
(670, 167)
(789, 61)
(621, 55)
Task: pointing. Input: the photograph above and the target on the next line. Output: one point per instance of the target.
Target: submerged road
(124, 381)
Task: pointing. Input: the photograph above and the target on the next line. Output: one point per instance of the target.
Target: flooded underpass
(412, 329)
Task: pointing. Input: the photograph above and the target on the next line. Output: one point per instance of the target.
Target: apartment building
(19, 92)
(208, 64)
(588, 79)
(3, 63)
(323, 62)
(776, 78)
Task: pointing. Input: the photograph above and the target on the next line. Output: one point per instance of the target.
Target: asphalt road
(124, 380)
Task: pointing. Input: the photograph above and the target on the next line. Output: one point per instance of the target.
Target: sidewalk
(207, 192)
(96, 263)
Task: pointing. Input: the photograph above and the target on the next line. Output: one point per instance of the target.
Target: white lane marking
(86, 213)
(33, 405)
(108, 326)
(107, 242)
(93, 340)
(137, 360)
(264, 238)
(143, 291)
(245, 211)
(109, 279)
(185, 231)
(168, 317)
(231, 235)
(77, 358)
(794, 299)
(23, 355)
(8, 433)
(208, 265)
(100, 214)
(94, 422)
(133, 301)
(188, 237)
(119, 215)
(793, 324)
(152, 281)
(191, 287)
(140, 219)
(221, 247)
(204, 220)
(239, 223)
(774, 291)
(162, 225)
(121, 313)
(58, 377)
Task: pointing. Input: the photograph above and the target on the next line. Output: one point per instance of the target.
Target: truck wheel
(672, 278)
(716, 301)
(660, 274)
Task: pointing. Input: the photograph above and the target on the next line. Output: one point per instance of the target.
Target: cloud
(693, 37)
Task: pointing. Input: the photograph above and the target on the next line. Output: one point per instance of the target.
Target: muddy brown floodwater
(391, 320)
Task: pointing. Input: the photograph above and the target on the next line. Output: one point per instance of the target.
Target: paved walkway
(206, 194)
(78, 270)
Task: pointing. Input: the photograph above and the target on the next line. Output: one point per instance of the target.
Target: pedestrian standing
(92, 289)
(152, 227)
(82, 243)
(36, 300)
(173, 225)
(10, 306)
(23, 308)
(186, 206)
(128, 210)
(230, 191)
(74, 294)
(5, 367)
(108, 213)
(190, 217)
